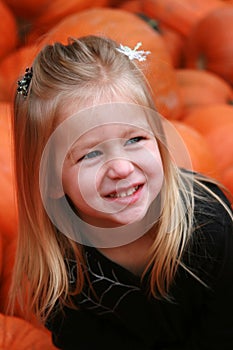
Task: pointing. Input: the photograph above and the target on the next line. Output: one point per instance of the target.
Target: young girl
(118, 247)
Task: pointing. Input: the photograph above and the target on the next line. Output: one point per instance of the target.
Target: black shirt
(122, 316)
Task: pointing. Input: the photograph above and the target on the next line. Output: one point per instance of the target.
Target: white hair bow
(133, 54)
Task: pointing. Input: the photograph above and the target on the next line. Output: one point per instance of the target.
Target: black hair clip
(23, 84)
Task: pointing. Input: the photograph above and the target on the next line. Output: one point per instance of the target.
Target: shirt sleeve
(215, 327)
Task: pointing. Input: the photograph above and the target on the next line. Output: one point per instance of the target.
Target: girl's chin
(117, 220)
(119, 211)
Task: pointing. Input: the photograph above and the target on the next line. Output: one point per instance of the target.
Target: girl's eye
(91, 154)
(134, 140)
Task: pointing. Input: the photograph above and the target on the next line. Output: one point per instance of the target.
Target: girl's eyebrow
(93, 142)
(85, 144)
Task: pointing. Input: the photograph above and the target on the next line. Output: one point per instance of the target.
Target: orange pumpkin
(208, 118)
(180, 15)
(26, 8)
(135, 6)
(210, 44)
(12, 68)
(201, 157)
(221, 142)
(174, 41)
(59, 9)
(8, 212)
(16, 333)
(8, 258)
(227, 180)
(8, 30)
(55, 11)
(51, 9)
(201, 88)
(109, 22)
(8, 215)
(1, 254)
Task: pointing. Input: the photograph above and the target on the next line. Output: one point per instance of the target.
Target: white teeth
(124, 194)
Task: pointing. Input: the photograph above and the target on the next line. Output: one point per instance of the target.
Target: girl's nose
(119, 168)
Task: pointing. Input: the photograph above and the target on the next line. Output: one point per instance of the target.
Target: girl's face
(113, 172)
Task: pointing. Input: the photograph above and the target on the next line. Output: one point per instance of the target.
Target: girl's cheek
(154, 149)
(88, 176)
(148, 157)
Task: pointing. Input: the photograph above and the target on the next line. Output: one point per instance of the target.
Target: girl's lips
(127, 194)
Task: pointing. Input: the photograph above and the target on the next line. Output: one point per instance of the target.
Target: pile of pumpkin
(190, 70)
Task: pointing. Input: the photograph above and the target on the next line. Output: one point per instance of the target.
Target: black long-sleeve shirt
(124, 317)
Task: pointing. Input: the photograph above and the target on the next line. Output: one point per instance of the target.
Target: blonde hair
(85, 70)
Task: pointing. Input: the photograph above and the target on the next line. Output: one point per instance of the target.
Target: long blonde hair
(84, 70)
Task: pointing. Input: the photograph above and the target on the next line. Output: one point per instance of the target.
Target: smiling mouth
(124, 194)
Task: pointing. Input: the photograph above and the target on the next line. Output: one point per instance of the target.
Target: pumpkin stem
(153, 23)
(201, 61)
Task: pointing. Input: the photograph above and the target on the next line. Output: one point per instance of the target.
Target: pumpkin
(8, 214)
(227, 177)
(109, 22)
(13, 68)
(58, 9)
(200, 88)
(25, 8)
(201, 158)
(1, 255)
(8, 258)
(50, 9)
(8, 30)
(173, 40)
(221, 142)
(180, 15)
(135, 6)
(208, 118)
(210, 44)
(16, 333)
(54, 11)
